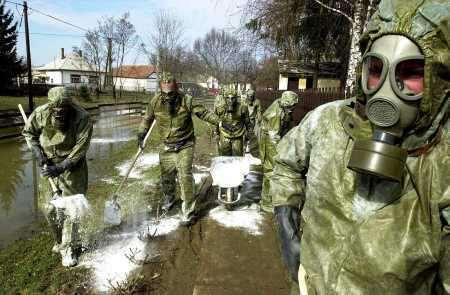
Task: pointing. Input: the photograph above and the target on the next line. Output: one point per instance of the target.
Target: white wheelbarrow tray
(229, 172)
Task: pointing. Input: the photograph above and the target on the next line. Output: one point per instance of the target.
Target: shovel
(112, 214)
(75, 205)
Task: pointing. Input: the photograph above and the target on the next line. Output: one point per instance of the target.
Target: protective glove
(141, 137)
(39, 155)
(288, 225)
(229, 127)
(57, 169)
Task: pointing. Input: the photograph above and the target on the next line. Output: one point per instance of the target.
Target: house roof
(290, 67)
(72, 62)
(134, 71)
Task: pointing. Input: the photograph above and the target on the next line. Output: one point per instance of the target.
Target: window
(75, 79)
(93, 79)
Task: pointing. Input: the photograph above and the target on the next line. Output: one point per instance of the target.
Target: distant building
(136, 78)
(70, 70)
(296, 75)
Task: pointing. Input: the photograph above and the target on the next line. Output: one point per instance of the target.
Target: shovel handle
(55, 189)
(139, 152)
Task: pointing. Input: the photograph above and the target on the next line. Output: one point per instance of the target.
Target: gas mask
(231, 103)
(392, 81)
(170, 88)
(60, 116)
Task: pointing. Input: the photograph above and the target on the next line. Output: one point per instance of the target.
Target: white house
(136, 78)
(70, 70)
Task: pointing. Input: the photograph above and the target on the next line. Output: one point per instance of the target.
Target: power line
(50, 16)
(53, 34)
(58, 19)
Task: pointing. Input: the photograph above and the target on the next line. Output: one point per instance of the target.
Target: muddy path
(224, 253)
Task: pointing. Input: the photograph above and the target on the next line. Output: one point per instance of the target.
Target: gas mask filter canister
(392, 81)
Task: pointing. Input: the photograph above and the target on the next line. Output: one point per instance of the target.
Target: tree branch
(335, 10)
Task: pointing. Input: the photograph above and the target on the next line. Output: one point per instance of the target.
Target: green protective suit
(255, 114)
(57, 145)
(231, 143)
(363, 235)
(275, 123)
(176, 132)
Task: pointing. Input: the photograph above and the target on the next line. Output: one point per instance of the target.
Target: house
(136, 78)
(70, 70)
(294, 75)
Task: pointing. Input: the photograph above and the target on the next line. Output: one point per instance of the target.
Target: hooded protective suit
(176, 131)
(235, 116)
(275, 123)
(363, 234)
(66, 147)
(254, 113)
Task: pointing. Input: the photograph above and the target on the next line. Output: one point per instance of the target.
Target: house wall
(54, 78)
(132, 84)
(283, 83)
(328, 83)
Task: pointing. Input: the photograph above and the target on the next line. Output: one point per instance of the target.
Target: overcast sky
(198, 16)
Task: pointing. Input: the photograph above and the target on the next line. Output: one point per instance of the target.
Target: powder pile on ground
(248, 219)
(110, 263)
(110, 140)
(144, 162)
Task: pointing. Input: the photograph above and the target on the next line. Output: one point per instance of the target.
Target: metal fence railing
(308, 99)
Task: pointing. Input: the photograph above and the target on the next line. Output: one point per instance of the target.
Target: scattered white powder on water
(111, 265)
(248, 219)
(144, 162)
(108, 180)
(111, 140)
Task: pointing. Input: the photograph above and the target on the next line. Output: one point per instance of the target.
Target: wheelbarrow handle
(55, 189)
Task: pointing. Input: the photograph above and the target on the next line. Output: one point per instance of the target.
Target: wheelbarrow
(228, 173)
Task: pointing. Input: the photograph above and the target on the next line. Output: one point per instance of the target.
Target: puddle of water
(248, 219)
(111, 263)
(18, 200)
(19, 174)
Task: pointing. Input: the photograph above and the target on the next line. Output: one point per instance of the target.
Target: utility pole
(27, 39)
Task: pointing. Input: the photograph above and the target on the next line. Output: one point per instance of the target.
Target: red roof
(134, 71)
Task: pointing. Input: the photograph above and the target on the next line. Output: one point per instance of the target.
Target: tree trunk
(316, 71)
(355, 53)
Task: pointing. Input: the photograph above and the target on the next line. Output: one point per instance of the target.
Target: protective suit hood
(426, 23)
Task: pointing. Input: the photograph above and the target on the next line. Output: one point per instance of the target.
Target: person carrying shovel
(59, 134)
(173, 112)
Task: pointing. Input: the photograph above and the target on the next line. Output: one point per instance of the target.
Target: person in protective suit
(59, 135)
(234, 125)
(254, 113)
(375, 185)
(173, 111)
(275, 123)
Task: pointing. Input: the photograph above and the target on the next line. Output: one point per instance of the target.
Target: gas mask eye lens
(374, 71)
(409, 75)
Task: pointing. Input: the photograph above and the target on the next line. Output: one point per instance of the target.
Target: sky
(198, 17)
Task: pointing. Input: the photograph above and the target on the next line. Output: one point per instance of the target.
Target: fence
(308, 99)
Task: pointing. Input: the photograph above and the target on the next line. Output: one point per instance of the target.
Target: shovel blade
(112, 215)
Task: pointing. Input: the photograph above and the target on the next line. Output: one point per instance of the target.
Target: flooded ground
(225, 252)
(19, 173)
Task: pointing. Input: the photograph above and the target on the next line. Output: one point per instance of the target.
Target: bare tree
(219, 52)
(124, 38)
(107, 27)
(166, 42)
(94, 52)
